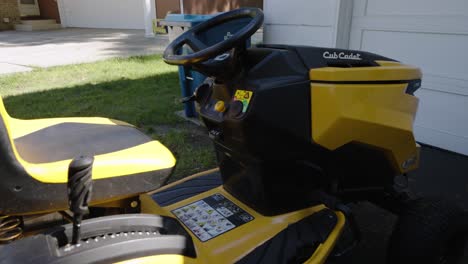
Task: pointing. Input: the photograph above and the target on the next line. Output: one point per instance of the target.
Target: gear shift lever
(79, 189)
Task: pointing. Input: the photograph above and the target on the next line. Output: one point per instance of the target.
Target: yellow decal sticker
(243, 96)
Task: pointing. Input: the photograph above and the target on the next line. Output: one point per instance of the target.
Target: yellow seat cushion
(45, 147)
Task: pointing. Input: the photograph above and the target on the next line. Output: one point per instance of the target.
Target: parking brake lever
(201, 94)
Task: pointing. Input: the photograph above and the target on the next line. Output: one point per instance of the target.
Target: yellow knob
(220, 107)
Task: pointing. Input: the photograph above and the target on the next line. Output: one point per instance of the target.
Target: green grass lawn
(143, 91)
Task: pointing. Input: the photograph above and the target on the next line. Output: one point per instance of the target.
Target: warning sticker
(243, 96)
(212, 216)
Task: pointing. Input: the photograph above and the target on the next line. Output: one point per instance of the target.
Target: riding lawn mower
(299, 134)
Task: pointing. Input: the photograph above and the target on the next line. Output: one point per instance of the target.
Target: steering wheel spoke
(195, 44)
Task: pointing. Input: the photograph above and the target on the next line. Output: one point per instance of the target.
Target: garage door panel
(299, 35)
(123, 14)
(441, 140)
(301, 22)
(434, 36)
(445, 84)
(416, 24)
(444, 111)
(442, 120)
(417, 7)
(312, 10)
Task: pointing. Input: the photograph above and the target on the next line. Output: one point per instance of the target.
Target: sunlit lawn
(140, 90)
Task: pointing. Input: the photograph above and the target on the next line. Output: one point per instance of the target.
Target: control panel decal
(212, 216)
(244, 97)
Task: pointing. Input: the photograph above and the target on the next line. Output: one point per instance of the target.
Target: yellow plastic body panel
(151, 156)
(323, 250)
(388, 71)
(380, 115)
(237, 243)
(169, 259)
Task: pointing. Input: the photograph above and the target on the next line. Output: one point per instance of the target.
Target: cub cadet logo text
(341, 56)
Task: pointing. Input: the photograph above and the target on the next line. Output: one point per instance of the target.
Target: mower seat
(36, 155)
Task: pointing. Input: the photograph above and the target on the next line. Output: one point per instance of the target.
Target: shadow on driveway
(441, 173)
(75, 45)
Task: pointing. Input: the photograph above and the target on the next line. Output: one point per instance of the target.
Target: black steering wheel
(202, 51)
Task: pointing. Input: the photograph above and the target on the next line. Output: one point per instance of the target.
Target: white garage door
(300, 22)
(432, 34)
(123, 14)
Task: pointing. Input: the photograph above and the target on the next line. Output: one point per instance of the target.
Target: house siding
(163, 7)
(215, 6)
(9, 9)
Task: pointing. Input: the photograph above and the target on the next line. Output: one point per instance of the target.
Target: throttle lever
(188, 99)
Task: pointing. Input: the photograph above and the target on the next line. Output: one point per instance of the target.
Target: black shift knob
(79, 189)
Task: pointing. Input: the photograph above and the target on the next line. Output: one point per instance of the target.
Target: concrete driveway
(22, 51)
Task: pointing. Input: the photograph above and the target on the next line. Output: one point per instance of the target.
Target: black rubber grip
(80, 184)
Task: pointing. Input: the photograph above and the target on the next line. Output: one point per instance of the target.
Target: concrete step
(34, 27)
(38, 21)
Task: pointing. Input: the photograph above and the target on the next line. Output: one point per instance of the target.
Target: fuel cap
(220, 107)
